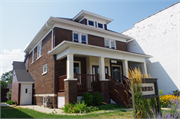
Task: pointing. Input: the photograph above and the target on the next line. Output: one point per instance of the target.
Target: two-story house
(68, 57)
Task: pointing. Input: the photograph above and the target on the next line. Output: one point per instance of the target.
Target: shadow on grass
(11, 112)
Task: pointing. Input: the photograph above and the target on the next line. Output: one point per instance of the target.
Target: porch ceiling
(89, 50)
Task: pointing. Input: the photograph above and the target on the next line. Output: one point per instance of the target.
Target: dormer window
(100, 25)
(75, 37)
(110, 43)
(91, 23)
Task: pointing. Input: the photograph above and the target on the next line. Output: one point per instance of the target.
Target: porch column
(70, 84)
(104, 83)
(125, 68)
(144, 68)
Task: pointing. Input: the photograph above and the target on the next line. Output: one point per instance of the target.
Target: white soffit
(83, 13)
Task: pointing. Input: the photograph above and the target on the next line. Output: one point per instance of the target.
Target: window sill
(44, 73)
(32, 62)
(38, 57)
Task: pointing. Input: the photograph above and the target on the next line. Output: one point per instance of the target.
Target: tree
(3, 85)
(7, 77)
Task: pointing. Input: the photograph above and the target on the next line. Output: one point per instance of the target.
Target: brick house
(68, 57)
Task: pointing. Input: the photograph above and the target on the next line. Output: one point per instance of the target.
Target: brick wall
(121, 46)
(61, 35)
(105, 90)
(70, 88)
(95, 40)
(15, 92)
(43, 84)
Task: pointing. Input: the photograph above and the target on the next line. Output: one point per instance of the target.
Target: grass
(10, 112)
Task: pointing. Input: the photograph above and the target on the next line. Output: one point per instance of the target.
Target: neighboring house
(4, 93)
(68, 57)
(159, 35)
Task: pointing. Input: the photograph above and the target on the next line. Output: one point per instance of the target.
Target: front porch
(80, 68)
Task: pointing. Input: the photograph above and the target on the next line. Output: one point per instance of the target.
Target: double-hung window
(110, 43)
(83, 38)
(39, 47)
(79, 37)
(75, 37)
(32, 56)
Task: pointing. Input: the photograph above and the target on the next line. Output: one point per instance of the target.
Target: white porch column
(70, 67)
(125, 68)
(144, 68)
(102, 69)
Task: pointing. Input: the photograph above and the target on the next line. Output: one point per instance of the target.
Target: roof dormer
(92, 19)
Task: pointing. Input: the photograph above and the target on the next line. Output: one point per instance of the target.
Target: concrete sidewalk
(42, 109)
(6, 105)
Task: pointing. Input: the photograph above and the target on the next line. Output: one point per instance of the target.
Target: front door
(116, 72)
(26, 94)
(95, 69)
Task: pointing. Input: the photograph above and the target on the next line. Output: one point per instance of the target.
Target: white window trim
(110, 43)
(32, 56)
(40, 50)
(90, 25)
(44, 72)
(80, 37)
(102, 25)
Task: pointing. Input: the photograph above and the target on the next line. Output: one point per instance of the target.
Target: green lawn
(9, 112)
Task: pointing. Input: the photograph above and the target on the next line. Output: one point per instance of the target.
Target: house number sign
(150, 90)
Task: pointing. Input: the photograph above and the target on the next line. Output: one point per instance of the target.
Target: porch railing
(85, 82)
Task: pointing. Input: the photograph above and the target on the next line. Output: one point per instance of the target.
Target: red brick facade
(70, 89)
(61, 35)
(105, 91)
(121, 46)
(95, 40)
(15, 94)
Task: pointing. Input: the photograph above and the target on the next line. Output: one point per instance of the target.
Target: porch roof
(66, 47)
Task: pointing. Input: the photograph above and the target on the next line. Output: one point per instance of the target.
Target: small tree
(3, 85)
(7, 76)
(9, 95)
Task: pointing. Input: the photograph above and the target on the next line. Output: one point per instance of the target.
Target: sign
(113, 61)
(150, 90)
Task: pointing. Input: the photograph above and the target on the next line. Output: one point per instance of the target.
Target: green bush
(109, 106)
(9, 95)
(78, 108)
(87, 97)
(97, 99)
(10, 102)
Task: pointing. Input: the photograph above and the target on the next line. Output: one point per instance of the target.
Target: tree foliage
(7, 76)
(3, 85)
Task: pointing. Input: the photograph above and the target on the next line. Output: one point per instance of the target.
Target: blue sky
(20, 20)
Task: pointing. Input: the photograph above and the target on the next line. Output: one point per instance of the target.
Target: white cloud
(7, 58)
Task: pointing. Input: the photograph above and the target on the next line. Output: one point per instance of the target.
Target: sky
(21, 20)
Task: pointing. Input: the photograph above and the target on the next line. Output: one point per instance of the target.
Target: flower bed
(166, 99)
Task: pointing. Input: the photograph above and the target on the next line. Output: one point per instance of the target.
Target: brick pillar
(70, 87)
(105, 91)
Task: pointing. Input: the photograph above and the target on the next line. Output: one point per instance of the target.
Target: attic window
(91, 23)
(100, 25)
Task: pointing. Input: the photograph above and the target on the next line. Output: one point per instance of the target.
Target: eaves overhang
(53, 20)
(66, 44)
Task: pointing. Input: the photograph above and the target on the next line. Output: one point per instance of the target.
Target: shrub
(10, 102)
(78, 108)
(87, 97)
(97, 99)
(9, 95)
